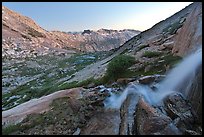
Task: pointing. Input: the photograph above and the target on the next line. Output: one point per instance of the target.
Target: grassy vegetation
(156, 67)
(117, 66)
(65, 114)
(171, 60)
(150, 54)
(47, 84)
(10, 129)
(83, 83)
(31, 121)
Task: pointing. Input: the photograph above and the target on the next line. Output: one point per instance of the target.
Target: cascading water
(184, 70)
(170, 84)
(115, 100)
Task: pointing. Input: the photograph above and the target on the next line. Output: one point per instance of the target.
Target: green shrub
(9, 129)
(150, 54)
(118, 65)
(171, 60)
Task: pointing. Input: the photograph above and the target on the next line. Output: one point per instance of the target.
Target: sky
(79, 16)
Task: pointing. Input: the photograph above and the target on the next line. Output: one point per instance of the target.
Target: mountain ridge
(27, 38)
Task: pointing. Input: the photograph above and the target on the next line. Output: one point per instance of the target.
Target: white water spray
(115, 100)
(175, 77)
(180, 73)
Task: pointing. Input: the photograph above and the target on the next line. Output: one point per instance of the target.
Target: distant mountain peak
(22, 37)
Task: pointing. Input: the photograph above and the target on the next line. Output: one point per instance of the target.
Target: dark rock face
(86, 32)
(149, 121)
(181, 111)
(127, 115)
(195, 94)
(176, 105)
(102, 123)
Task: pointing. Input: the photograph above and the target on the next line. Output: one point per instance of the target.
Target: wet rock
(194, 93)
(177, 106)
(77, 132)
(159, 77)
(191, 132)
(147, 79)
(95, 97)
(100, 87)
(127, 111)
(115, 85)
(180, 110)
(149, 121)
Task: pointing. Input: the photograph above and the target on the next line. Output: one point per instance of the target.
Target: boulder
(40, 105)
(168, 45)
(177, 106)
(191, 132)
(147, 79)
(181, 111)
(159, 77)
(102, 123)
(151, 78)
(125, 81)
(150, 121)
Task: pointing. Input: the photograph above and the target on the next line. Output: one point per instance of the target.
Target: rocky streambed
(81, 111)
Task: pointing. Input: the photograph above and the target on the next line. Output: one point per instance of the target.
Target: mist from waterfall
(116, 100)
(184, 71)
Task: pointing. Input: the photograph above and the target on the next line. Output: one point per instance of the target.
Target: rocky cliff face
(189, 37)
(187, 40)
(194, 93)
(22, 37)
(182, 32)
(100, 40)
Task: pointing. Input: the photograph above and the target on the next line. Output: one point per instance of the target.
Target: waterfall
(115, 100)
(183, 73)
